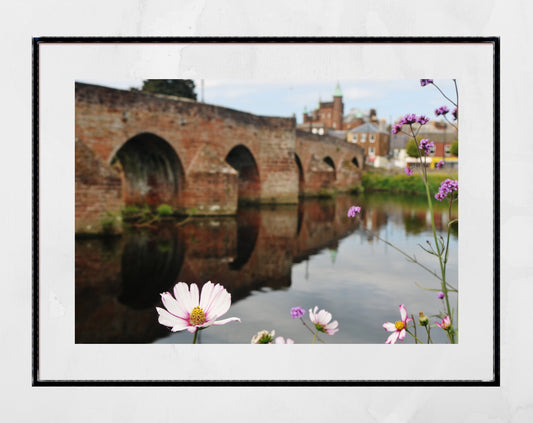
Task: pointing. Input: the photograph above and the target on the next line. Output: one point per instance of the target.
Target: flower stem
(428, 330)
(414, 326)
(444, 95)
(314, 337)
(195, 336)
(416, 339)
(310, 330)
(440, 251)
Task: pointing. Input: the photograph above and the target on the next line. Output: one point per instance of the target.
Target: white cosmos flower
(399, 328)
(321, 320)
(263, 337)
(191, 311)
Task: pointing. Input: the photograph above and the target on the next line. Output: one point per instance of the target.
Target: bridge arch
(242, 160)
(329, 161)
(301, 179)
(152, 171)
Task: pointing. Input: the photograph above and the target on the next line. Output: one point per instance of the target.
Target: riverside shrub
(402, 183)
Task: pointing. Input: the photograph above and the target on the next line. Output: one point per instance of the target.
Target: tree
(454, 149)
(411, 149)
(176, 87)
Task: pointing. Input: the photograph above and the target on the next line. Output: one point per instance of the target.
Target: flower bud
(423, 320)
(263, 337)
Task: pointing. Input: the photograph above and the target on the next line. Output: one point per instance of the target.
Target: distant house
(398, 151)
(443, 136)
(374, 140)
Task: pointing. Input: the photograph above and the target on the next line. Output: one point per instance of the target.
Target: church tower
(338, 108)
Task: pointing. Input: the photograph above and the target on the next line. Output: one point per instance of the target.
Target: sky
(391, 98)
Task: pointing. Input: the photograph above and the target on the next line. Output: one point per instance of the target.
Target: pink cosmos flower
(445, 323)
(398, 328)
(191, 311)
(280, 340)
(321, 320)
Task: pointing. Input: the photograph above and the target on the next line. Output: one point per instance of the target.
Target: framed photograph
(195, 197)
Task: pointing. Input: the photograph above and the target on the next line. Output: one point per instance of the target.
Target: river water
(270, 258)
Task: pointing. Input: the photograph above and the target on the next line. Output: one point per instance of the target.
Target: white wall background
(510, 20)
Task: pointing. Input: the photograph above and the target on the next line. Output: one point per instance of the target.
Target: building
(356, 117)
(397, 150)
(374, 140)
(443, 135)
(329, 114)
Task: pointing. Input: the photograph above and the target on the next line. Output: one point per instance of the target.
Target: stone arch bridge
(138, 148)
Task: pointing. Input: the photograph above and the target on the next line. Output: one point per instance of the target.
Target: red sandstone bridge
(138, 148)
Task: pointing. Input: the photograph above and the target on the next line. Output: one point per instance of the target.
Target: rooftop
(367, 127)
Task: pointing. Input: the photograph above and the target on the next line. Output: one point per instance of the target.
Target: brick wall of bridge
(319, 177)
(201, 136)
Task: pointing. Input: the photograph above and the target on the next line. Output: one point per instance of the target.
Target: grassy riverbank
(397, 181)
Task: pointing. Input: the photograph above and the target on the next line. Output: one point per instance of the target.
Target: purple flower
(439, 164)
(408, 171)
(397, 127)
(426, 145)
(352, 211)
(454, 114)
(409, 119)
(297, 312)
(446, 187)
(442, 110)
(422, 120)
(440, 295)
(424, 82)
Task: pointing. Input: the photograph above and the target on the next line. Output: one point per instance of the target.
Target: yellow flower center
(399, 325)
(197, 316)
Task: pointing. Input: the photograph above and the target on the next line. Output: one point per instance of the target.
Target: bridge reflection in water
(119, 279)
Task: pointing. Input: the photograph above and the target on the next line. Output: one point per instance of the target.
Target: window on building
(362, 137)
(432, 150)
(447, 150)
(371, 152)
(372, 137)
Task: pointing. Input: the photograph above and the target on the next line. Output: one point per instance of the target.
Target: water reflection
(118, 280)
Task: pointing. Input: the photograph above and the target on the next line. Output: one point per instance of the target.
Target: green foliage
(401, 183)
(130, 211)
(454, 148)
(411, 148)
(164, 210)
(176, 87)
(110, 222)
(326, 193)
(357, 189)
